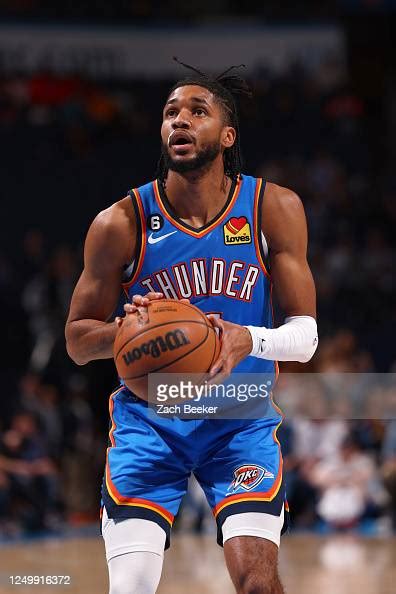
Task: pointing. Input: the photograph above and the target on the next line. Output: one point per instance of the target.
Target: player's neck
(197, 197)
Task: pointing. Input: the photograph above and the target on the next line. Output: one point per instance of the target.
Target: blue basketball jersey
(219, 267)
(237, 460)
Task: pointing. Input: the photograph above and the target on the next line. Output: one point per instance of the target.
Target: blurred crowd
(73, 147)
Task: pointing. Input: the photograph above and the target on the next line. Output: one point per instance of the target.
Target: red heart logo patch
(235, 224)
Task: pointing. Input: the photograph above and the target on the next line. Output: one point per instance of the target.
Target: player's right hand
(141, 301)
(138, 305)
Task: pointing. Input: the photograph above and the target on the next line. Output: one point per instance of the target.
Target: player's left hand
(236, 344)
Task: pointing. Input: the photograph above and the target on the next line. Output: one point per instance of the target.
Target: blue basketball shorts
(238, 464)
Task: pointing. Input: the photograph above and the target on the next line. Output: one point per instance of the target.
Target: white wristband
(296, 340)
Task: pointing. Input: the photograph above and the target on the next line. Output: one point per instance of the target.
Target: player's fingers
(218, 378)
(184, 300)
(140, 300)
(142, 312)
(224, 370)
(216, 367)
(130, 308)
(216, 322)
(118, 321)
(222, 376)
(153, 296)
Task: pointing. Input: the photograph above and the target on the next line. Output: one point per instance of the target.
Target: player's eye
(200, 111)
(170, 113)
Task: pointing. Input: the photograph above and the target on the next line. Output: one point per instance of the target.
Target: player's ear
(228, 136)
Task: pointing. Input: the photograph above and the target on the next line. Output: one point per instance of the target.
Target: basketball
(177, 338)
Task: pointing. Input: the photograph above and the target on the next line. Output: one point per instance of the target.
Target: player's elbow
(305, 358)
(309, 351)
(74, 355)
(72, 346)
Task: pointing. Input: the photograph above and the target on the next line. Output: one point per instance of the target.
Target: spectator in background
(316, 437)
(28, 476)
(349, 486)
(81, 460)
(388, 468)
(29, 388)
(388, 454)
(45, 297)
(49, 415)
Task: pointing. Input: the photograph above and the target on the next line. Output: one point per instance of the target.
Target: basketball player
(205, 232)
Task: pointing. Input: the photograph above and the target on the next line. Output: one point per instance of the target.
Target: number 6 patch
(155, 222)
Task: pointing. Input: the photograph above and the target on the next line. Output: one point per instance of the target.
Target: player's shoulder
(110, 238)
(116, 218)
(281, 199)
(282, 215)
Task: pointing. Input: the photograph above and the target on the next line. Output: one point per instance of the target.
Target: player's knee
(118, 585)
(138, 585)
(258, 588)
(135, 573)
(254, 583)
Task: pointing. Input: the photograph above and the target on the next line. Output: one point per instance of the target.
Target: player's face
(193, 130)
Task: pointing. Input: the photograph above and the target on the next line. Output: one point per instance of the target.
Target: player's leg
(134, 553)
(145, 478)
(135, 573)
(252, 563)
(242, 480)
(251, 541)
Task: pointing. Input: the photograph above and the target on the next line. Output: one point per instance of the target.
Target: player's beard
(202, 160)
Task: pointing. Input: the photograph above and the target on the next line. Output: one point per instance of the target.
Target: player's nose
(182, 120)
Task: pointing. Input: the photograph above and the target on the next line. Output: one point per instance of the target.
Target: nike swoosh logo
(152, 239)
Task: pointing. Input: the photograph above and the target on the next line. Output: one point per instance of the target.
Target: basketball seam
(176, 360)
(195, 308)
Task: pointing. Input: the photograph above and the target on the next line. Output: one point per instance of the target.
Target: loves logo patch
(248, 477)
(237, 231)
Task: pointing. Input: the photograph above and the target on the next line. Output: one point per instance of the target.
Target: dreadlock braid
(224, 87)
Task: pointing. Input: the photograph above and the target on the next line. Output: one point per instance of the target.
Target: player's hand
(236, 344)
(139, 305)
(138, 301)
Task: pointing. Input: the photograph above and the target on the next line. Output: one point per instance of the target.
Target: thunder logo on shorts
(248, 477)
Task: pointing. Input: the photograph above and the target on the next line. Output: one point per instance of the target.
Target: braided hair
(224, 87)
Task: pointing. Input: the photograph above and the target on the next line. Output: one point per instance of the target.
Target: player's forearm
(296, 340)
(87, 340)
